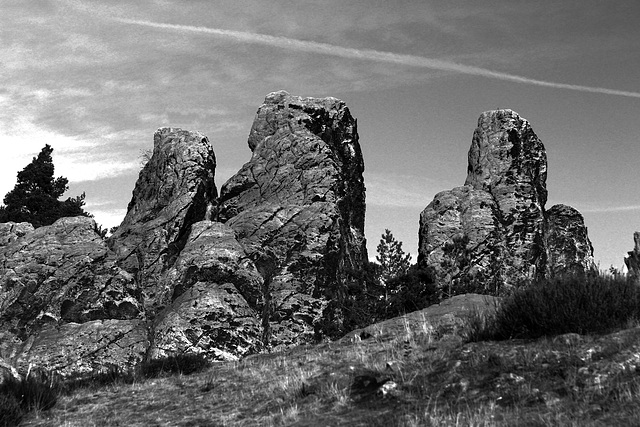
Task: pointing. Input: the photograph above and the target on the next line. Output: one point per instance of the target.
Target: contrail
(372, 55)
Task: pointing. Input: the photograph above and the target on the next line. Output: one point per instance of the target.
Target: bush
(409, 292)
(36, 392)
(185, 364)
(10, 411)
(581, 304)
(97, 379)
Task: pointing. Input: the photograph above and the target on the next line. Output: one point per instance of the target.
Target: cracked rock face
(568, 246)
(62, 273)
(77, 349)
(298, 207)
(216, 301)
(60, 287)
(494, 232)
(11, 231)
(175, 189)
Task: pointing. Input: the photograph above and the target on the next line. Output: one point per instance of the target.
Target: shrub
(579, 303)
(36, 392)
(180, 364)
(411, 291)
(99, 378)
(10, 411)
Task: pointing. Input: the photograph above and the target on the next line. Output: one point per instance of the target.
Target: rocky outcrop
(62, 295)
(298, 207)
(62, 273)
(632, 260)
(569, 249)
(175, 189)
(75, 349)
(494, 231)
(186, 272)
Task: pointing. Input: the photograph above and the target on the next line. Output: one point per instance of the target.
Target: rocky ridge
(186, 271)
(494, 233)
(266, 264)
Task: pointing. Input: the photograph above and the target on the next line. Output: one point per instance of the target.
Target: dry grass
(429, 380)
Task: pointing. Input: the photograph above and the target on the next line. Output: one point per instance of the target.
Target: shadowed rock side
(174, 190)
(298, 208)
(493, 232)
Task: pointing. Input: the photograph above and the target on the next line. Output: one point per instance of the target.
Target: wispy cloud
(371, 55)
(611, 209)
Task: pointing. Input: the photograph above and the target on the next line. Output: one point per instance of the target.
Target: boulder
(494, 233)
(298, 207)
(62, 273)
(174, 190)
(448, 320)
(64, 302)
(74, 349)
(216, 299)
(569, 249)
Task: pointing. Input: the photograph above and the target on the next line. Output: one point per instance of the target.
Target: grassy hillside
(417, 370)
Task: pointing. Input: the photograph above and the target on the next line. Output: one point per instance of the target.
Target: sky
(96, 79)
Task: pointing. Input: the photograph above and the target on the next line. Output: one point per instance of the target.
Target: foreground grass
(414, 378)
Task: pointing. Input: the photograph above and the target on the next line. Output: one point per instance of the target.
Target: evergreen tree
(392, 259)
(35, 196)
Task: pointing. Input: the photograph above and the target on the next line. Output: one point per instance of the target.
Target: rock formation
(175, 189)
(298, 207)
(187, 272)
(569, 249)
(632, 261)
(60, 284)
(494, 231)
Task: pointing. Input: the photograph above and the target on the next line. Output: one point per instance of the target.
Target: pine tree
(392, 259)
(35, 196)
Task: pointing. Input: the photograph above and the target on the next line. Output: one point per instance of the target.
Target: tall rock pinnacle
(174, 190)
(298, 205)
(494, 232)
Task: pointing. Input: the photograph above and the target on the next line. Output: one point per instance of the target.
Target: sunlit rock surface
(298, 208)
